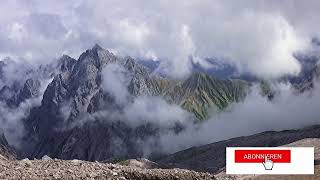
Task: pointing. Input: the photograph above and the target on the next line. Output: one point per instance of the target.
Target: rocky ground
(76, 169)
(48, 168)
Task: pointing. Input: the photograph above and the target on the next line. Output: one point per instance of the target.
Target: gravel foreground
(76, 169)
(143, 169)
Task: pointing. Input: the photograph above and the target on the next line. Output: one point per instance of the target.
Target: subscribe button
(265, 160)
(259, 156)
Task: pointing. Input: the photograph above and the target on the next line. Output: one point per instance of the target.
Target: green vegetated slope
(201, 93)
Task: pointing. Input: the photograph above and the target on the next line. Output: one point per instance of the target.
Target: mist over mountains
(103, 106)
(103, 96)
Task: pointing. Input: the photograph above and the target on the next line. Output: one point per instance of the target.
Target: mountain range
(78, 114)
(77, 86)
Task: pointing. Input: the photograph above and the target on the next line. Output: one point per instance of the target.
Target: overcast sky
(257, 36)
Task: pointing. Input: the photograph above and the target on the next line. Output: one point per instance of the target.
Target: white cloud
(289, 110)
(259, 43)
(132, 33)
(115, 81)
(137, 111)
(179, 64)
(258, 37)
(156, 111)
(16, 32)
(11, 120)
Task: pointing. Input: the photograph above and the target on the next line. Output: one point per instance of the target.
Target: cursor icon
(268, 164)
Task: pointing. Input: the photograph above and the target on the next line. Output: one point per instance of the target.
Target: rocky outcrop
(140, 163)
(13, 97)
(6, 151)
(31, 89)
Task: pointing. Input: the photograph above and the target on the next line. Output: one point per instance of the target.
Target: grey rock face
(13, 97)
(79, 86)
(76, 135)
(141, 82)
(85, 79)
(80, 82)
(93, 141)
(66, 63)
(30, 89)
(5, 149)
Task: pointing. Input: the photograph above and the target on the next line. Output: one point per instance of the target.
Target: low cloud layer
(11, 120)
(141, 110)
(115, 81)
(259, 37)
(288, 110)
(156, 111)
(13, 76)
(255, 114)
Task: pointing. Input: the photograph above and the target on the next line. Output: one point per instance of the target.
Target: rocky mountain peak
(30, 89)
(96, 56)
(13, 96)
(134, 67)
(97, 47)
(66, 63)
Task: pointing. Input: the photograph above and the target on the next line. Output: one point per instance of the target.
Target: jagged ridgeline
(77, 86)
